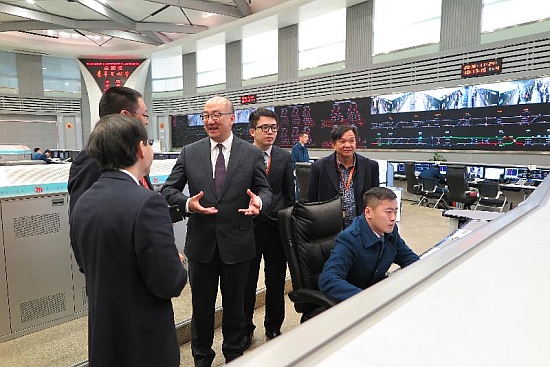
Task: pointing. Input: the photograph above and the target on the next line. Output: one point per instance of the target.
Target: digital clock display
(111, 73)
(248, 98)
(481, 68)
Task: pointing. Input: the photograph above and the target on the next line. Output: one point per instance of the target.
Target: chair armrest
(304, 295)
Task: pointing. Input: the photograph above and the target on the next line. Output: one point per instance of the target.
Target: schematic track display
(520, 127)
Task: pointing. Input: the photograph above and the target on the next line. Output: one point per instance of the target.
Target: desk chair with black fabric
(308, 231)
(413, 185)
(459, 190)
(429, 189)
(490, 196)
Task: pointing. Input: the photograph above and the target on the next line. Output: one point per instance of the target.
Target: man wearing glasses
(84, 171)
(228, 186)
(278, 163)
(124, 244)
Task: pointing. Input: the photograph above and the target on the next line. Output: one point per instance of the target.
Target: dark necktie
(219, 171)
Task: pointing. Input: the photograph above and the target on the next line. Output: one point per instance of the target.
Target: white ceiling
(138, 28)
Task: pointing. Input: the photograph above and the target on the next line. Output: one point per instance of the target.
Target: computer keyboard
(521, 181)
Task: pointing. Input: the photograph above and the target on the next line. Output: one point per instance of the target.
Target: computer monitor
(55, 153)
(523, 173)
(475, 172)
(510, 173)
(401, 168)
(194, 120)
(494, 174)
(443, 170)
(419, 167)
(538, 174)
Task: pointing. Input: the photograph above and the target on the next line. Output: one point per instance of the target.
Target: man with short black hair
(299, 150)
(84, 171)
(124, 244)
(364, 251)
(263, 128)
(344, 172)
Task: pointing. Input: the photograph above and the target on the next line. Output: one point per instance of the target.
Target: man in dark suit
(84, 171)
(343, 172)
(125, 244)
(263, 128)
(227, 186)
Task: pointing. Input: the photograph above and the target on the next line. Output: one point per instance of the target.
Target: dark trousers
(268, 244)
(203, 278)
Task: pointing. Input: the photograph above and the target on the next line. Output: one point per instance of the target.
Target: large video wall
(496, 117)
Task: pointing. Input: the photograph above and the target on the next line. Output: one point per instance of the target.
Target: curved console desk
(480, 300)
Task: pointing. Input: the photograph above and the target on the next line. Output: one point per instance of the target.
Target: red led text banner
(111, 73)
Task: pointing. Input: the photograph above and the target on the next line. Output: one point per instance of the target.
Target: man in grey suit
(228, 186)
(263, 127)
(124, 240)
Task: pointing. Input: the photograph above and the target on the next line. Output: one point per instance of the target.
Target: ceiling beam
(36, 15)
(243, 7)
(57, 22)
(107, 12)
(98, 25)
(130, 36)
(207, 6)
(172, 28)
(28, 25)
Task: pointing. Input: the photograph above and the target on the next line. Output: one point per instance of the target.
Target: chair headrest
(316, 220)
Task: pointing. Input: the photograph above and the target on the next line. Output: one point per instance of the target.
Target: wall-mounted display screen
(507, 116)
(481, 68)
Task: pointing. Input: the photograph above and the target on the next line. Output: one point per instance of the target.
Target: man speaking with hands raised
(228, 186)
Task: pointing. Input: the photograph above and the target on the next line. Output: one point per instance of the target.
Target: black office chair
(428, 188)
(413, 186)
(303, 170)
(490, 196)
(459, 191)
(308, 231)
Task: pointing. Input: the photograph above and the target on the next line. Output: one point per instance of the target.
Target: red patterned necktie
(143, 182)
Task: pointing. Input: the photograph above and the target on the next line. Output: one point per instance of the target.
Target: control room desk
(471, 218)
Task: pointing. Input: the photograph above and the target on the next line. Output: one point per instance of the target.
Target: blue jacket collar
(360, 227)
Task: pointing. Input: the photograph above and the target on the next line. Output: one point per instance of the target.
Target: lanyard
(350, 177)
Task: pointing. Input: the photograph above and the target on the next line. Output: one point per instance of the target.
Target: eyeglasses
(216, 116)
(142, 114)
(265, 128)
(151, 142)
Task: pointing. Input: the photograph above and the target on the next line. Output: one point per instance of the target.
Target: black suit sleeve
(261, 184)
(175, 183)
(83, 173)
(156, 252)
(375, 170)
(288, 184)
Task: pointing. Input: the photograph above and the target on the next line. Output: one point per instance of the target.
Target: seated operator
(366, 249)
(433, 172)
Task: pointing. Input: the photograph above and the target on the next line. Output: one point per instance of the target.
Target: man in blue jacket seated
(366, 249)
